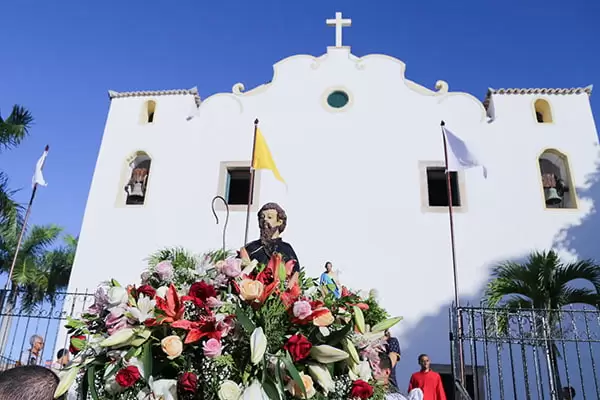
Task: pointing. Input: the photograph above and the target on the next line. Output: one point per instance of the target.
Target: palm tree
(543, 282)
(15, 127)
(13, 130)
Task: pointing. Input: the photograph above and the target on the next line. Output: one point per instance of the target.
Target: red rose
(361, 390)
(76, 344)
(298, 346)
(188, 383)
(147, 291)
(200, 291)
(127, 377)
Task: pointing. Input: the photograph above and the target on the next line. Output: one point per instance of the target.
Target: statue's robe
(257, 251)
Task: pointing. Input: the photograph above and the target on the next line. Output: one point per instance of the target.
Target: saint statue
(272, 221)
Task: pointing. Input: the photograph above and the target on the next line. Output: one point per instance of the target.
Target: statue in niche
(136, 187)
(272, 221)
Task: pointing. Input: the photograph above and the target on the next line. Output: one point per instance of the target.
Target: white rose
(117, 296)
(229, 390)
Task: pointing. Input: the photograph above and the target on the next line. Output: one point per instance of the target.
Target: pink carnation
(232, 267)
(212, 348)
(164, 270)
(302, 309)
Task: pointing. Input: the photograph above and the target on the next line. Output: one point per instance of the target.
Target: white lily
(118, 338)
(249, 268)
(326, 354)
(163, 389)
(258, 345)
(144, 309)
(254, 392)
(322, 376)
(361, 371)
(162, 291)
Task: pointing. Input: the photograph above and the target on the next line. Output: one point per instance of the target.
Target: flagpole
(251, 188)
(27, 213)
(453, 251)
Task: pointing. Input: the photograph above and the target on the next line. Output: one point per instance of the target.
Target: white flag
(38, 177)
(459, 155)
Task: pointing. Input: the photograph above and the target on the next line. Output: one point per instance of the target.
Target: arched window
(543, 114)
(150, 109)
(139, 171)
(559, 191)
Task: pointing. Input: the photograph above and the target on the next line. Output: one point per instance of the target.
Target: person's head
(328, 266)
(568, 393)
(385, 368)
(424, 362)
(387, 334)
(62, 357)
(36, 342)
(28, 383)
(272, 221)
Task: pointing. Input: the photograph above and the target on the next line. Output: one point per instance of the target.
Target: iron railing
(21, 321)
(530, 354)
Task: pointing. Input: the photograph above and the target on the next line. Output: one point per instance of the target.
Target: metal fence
(22, 324)
(526, 353)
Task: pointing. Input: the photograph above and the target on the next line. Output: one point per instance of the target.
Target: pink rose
(212, 348)
(232, 267)
(164, 270)
(302, 309)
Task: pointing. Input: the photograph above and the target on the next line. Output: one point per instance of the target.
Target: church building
(361, 151)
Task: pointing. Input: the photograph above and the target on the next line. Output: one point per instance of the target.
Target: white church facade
(361, 151)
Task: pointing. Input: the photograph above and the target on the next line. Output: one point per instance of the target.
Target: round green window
(338, 99)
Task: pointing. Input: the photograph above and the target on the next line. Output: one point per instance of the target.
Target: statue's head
(272, 221)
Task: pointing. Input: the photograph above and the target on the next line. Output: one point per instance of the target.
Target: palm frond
(178, 256)
(11, 212)
(15, 128)
(585, 269)
(39, 239)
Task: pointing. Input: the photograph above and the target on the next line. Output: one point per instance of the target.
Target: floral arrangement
(223, 327)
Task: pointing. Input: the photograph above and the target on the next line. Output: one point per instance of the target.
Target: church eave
(149, 93)
(545, 91)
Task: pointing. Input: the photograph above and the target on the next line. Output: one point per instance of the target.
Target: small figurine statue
(272, 221)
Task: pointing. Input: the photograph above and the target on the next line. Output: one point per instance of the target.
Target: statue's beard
(266, 233)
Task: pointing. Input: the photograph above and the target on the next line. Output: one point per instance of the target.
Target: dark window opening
(448, 384)
(437, 188)
(238, 186)
(539, 116)
(150, 117)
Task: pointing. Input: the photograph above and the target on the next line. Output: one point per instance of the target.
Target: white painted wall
(354, 183)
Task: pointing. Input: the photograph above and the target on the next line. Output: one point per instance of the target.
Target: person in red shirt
(427, 380)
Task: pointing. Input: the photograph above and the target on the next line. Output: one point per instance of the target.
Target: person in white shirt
(62, 360)
(33, 355)
(385, 366)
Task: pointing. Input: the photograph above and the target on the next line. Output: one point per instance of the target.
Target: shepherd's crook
(217, 217)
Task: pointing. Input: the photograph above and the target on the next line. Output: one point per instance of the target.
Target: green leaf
(280, 378)
(247, 324)
(83, 388)
(387, 324)
(359, 319)
(271, 389)
(282, 273)
(79, 344)
(91, 375)
(336, 337)
(147, 360)
(289, 364)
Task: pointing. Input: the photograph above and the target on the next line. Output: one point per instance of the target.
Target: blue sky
(60, 58)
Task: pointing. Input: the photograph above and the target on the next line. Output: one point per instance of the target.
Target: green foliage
(275, 321)
(375, 314)
(15, 127)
